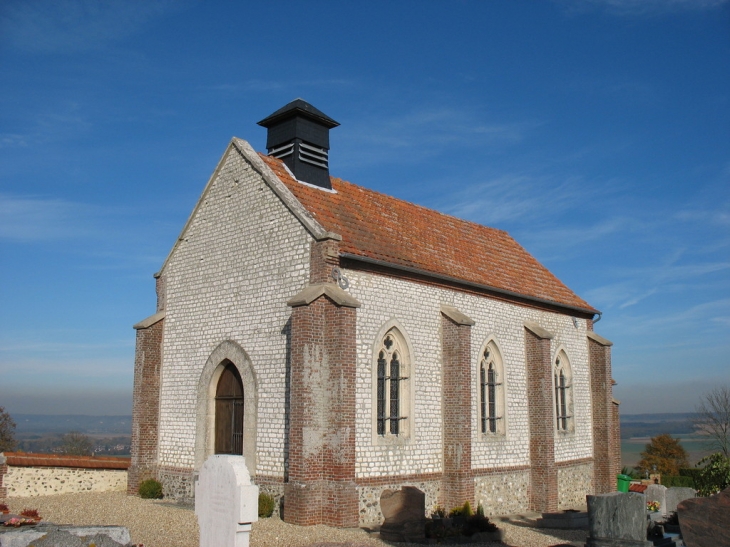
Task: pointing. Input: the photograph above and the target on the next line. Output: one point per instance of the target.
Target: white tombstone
(226, 503)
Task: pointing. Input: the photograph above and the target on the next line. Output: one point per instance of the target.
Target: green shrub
(266, 505)
(463, 511)
(150, 489)
(714, 476)
(678, 480)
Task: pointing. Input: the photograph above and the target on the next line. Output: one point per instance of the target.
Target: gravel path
(157, 523)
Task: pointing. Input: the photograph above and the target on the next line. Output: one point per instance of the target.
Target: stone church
(346, 342)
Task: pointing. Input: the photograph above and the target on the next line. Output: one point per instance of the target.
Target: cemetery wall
(240, 257)
(415, 308)
(503, 493)
(26, 475)
(574, 483)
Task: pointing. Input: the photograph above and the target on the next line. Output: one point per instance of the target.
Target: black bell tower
(299, 136)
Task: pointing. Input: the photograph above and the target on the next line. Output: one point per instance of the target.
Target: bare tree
(77, 444)
(7, 432)
(713, 418)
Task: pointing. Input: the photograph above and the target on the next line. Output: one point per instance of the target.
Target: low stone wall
(575, 481)
(26, 475)
(503, 493)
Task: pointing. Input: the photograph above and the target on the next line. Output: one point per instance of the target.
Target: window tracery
(562, 378)
(491, 391)
(392, 377)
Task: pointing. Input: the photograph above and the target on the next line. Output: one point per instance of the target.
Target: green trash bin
(622, 482)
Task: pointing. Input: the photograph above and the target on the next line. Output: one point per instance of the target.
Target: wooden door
(229, 412)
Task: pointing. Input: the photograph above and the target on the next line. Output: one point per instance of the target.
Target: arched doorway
(229, 412)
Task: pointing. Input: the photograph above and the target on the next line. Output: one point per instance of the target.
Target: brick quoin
(3, 488)
(604, 466)
(616, 437)
(458, 481)
(321, 473)
(324, 255)
(320, 483)
(146, 405)
(543, 471)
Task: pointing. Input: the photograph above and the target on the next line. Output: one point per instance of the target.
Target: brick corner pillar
(458, 479)
(604, 429)
(320, 486)
(146, 400)
(541, 418)
(3, 472)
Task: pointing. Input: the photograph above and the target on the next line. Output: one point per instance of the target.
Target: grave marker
(617, 519)
(226, 503)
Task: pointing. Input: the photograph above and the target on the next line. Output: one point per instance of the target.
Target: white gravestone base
(226, 503)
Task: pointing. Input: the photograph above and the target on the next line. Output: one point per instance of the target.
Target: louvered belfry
(299, 136)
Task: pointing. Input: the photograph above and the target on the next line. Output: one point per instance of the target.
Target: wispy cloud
(59, 122)
(704, 312)
(718, 218)
(12, 139)
(641, 7)
(63, 26)
(426, 132)
(43, 219)
(639, 283)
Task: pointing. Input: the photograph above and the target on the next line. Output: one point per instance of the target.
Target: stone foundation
(370, 512)
(177, 483)
(503, 493)
(574, 483)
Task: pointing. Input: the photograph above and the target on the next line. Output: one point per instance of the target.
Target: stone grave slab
(677, 494)
(50, 534)
(405, 514)
(617, 520)
(226, 503)
(705, 522)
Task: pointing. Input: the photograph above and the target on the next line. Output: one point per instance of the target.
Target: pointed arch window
(562, 378)
(491, 391)
(392, 391)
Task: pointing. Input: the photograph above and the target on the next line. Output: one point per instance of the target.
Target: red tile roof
(25, 459)
(639, 488)
(383, 228)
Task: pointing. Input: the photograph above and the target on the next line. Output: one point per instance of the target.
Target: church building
(346, 342)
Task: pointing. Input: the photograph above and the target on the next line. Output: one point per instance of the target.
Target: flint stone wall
(24, 482)
(574, 483)
(504, 493)
(370, 512)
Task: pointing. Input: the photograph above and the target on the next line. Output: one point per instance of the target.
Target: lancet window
(562, 378)
(491, 391)
(392, 385)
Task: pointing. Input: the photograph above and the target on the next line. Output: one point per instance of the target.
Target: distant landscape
(638, 429)
(112, 435)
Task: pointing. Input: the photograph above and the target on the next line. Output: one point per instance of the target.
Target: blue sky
(597, 132)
